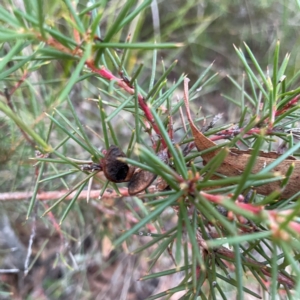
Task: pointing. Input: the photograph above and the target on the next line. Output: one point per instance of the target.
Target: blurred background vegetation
(208, 30)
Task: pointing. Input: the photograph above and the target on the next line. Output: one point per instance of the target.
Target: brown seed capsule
(140, 180)
(114, 169)
(161, 184)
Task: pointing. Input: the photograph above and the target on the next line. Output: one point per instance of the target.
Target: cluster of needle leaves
(225, 233)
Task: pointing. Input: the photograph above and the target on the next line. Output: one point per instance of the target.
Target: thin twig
(53, 195)
(30, 243)
(4, 271)
(8, 95)
(18, 84)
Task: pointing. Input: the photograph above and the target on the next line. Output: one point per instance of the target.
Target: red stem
(288, 105)
(104, 73)
(233, 132)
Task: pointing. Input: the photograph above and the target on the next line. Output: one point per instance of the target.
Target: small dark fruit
(114, 169)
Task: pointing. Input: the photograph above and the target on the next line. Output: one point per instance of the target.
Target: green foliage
(75, 85)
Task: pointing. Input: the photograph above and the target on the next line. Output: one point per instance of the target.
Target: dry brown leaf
(236, 160)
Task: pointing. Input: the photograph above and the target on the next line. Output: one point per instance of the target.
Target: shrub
(103, 124)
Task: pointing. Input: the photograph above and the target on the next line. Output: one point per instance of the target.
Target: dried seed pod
(114, 169)
(161, 184)
(140, 180)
